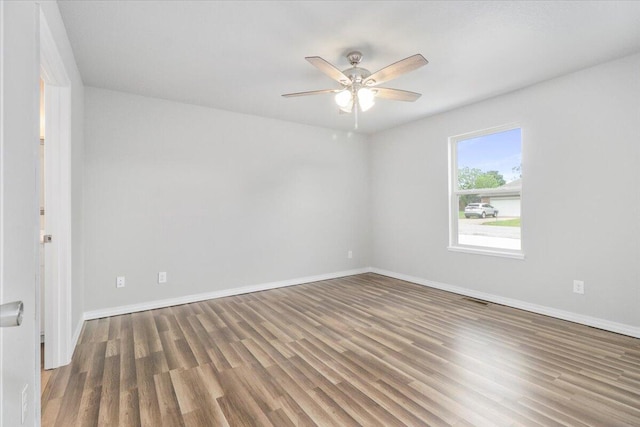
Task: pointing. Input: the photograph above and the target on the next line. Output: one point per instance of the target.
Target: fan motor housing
(357, 74)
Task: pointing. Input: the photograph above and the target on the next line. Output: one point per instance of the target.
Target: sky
(498, 151)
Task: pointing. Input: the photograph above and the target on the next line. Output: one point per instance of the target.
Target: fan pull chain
(355, 107)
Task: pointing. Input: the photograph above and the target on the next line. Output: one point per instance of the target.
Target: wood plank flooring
(362, 350)
(44, 374)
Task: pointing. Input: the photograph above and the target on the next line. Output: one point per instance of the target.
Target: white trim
(486, 131)
(483, 250)
(595, 322)
(2, 92)
(57, 201)
(52, 67)
(76, 335)
(512, 191)
(150, 305)
(455, 192)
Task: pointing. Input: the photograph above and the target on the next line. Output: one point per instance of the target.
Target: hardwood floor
(362, 350)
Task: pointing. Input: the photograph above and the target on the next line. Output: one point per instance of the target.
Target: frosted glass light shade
(365, 98)
(344, 99)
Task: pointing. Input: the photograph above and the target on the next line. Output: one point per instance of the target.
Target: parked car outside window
(480, 210)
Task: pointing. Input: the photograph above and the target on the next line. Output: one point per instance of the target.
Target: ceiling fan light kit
(359, 87)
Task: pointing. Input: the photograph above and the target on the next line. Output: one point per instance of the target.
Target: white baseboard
(133, 308)
(595, 322)
(607, 325)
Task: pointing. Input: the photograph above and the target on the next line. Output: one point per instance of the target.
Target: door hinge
(47, 238)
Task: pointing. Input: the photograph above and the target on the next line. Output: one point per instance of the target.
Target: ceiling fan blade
(312, 92)
(396, 69)
(396, 94)
(328, 69)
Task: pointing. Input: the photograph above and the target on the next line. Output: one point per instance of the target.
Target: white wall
(580, 206)
(221, 200)
(216, 199)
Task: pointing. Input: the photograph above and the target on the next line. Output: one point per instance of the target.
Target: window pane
(489, 221)
(490, 161)
(488, 167)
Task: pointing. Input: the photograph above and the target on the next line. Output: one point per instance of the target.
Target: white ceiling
(241, 56)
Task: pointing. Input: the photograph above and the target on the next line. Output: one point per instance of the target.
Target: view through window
(486, 190)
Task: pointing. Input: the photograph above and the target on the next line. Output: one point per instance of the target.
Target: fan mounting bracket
(354, 57)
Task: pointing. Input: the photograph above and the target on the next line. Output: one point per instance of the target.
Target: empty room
(319, 213)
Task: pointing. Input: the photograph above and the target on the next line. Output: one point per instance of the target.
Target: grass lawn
(514, 222)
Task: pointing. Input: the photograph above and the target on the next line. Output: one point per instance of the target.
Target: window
(485, 191)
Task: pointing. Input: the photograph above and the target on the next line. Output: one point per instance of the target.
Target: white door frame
(1, 198)
(57, 146)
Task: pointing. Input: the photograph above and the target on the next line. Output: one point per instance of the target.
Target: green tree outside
(471, 178)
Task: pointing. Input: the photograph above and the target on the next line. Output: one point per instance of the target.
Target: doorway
(55, 259)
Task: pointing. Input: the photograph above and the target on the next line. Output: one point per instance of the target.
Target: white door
(19, 74)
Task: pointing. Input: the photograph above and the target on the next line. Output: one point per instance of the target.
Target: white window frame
(454, 192)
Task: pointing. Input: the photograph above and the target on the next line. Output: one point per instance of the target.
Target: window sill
(487, 251)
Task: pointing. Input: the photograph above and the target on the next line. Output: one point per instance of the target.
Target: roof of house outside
(513, 185)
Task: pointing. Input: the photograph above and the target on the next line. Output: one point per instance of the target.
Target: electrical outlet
(162, 277)
(578, 287)
(350, 254)
(120, 282)
(24, 403)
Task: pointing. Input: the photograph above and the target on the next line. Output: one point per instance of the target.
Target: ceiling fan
(360, 87)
